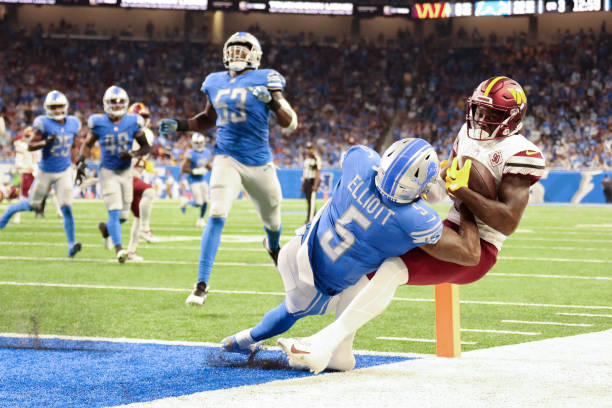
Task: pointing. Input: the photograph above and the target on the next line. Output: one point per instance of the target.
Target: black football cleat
(272, 252)
(74, 250)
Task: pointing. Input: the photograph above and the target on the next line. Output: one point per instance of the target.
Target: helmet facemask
(198, 141)
(56, 105)
(241, 51)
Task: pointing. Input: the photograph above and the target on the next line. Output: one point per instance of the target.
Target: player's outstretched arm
(145, 148)
(38, 142)
(201, 122)
(461, 247)
(503, 215)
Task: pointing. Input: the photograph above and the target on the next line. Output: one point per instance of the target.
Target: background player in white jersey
(26, 164)
(55, 134)
(239, 102)
(376, 212)
(144, 194)
(115, 131)
(491, 136)
(196, 164)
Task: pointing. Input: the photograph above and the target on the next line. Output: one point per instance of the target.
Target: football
(481, 180)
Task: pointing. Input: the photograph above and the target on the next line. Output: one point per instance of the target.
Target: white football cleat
(134, 257)
(149, 237)
(198, 294)
(17, 218)
(108, 243)
(122, 255)
(300, 351)
(200, 223)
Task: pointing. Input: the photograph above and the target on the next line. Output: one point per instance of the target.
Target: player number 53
(221, 106)
(348, 238)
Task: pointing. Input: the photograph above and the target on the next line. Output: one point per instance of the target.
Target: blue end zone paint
(70, 373)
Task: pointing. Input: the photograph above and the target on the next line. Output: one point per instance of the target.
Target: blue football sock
(203, 210)
(211, 238)
(12, 209)
(68, 224)
(276, 321)
(273, 238)
(114, 226)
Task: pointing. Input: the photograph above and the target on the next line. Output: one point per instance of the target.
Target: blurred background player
(196, 164)
(116, 130)
(311, 177)
(26, 165)
(55, 134)
(375, 213)
(144, 194)
(492, 135)
(239, 102)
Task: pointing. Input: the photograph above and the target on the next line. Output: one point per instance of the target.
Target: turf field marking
(548, 323)
(538, 275)
(181, 343)
(593, 226)
(528, 258)
(418, 340)
(515, 238)
(583, 314)
(556, 248)
(153, 246)
(252, 292)
(113, 260)
(501, 332)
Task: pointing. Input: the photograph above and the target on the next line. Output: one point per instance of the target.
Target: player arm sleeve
(144, 144)
(528, 163)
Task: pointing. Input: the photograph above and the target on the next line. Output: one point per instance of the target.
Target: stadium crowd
(344, 91)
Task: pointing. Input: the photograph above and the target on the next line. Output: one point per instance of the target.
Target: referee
(311, 176)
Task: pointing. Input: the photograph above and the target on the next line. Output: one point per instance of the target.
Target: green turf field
(553, 278)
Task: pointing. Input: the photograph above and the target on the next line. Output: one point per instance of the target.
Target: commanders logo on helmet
(496, 109)
(142, 110)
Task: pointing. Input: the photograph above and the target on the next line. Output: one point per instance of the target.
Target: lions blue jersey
(242, 119)
(359, 228)
(115, 138)
(197, 159)
(56, 156)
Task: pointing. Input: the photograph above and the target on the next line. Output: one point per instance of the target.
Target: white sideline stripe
(527, 258)
(148, 246)
(180, 343)
(113, 260)
(539, 275)
(548, 323)
(584, 314)
(556, 248)
(27, 258)
(593, 226)
(515, 238)
(417, 340)
(501, 331)
(252, 292)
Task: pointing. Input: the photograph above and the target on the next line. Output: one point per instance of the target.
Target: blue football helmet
(407, 170)
(56, 105)
(241, 51)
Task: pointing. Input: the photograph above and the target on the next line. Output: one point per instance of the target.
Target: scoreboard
(409, 9)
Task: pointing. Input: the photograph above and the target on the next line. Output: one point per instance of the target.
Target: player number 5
(348, 239)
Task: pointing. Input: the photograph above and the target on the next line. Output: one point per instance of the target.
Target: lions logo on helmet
(407, 170)
(198, 141)
(56, 105)
(241, 51)
(496, 109)
(115, 101)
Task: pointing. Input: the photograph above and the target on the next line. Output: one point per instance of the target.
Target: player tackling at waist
(491, 135)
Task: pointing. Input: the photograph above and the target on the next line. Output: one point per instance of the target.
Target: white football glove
(199, 171)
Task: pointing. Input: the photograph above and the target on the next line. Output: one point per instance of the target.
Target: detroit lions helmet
(56, 105)
(115, 101)
(241, 51)
(198, 141)
(407, 170)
